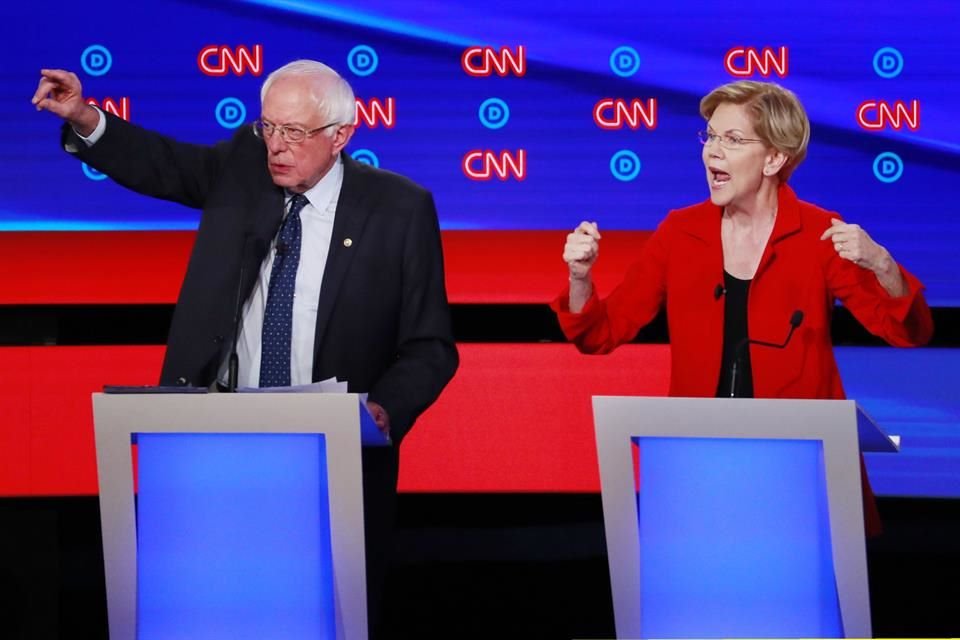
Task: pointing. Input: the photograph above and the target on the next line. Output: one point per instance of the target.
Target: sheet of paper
(330, 385)
(370, 433)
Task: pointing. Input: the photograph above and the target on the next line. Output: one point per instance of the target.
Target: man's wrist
(90, 128)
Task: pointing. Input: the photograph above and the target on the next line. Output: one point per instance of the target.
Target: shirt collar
(325, 191)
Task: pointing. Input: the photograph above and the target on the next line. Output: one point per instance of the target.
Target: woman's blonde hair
(777, 115)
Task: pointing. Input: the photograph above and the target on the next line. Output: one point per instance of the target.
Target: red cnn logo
(616, 113)
(218, 60)
(120, 109)
(376, 112)
(874, 115)
(480, 62)
(743, 62)
(484, 165)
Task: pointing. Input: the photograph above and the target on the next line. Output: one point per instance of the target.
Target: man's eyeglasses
(726, 140)
(289, 133)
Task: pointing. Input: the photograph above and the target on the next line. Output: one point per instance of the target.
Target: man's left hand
(380, 416)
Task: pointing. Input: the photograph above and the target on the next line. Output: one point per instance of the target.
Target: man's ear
(342, 136)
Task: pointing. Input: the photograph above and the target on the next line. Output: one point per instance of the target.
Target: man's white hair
(335, 100)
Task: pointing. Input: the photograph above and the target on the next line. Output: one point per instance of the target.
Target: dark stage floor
(492, 566)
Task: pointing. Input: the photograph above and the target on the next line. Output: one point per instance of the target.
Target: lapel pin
(347, 242)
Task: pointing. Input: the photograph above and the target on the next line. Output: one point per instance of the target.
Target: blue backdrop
(838, 55)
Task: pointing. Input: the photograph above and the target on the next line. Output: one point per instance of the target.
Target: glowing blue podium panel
(249, 519)
(233, 537)
(738, 518)
(739, 527)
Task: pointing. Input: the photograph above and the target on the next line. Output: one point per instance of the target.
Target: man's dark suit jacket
(383, 322)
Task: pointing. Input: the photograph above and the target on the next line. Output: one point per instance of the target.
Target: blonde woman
(752, 263)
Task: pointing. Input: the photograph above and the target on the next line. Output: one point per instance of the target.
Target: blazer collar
(704, 223)
(353, 210)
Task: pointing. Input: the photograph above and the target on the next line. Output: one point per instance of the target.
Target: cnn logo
(219, 60)
(376, 112)
(486, 165)
(616, 113)
(120, 108)
(875, 115)
(743, 62)
(480, 62)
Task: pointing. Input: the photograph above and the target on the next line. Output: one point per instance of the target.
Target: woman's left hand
(852, 243)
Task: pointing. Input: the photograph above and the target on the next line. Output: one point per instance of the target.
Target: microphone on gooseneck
(252, 248)
(796, 319)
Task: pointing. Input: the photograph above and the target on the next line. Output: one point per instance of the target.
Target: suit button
(217, 339)
(182, 382)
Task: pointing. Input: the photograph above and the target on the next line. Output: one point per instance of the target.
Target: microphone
(281, 248)
(719, 291)
(252, 246)
(796, 319)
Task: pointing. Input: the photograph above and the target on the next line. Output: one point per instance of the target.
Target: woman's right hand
(581, 250)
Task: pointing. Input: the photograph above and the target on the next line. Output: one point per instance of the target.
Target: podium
(735, 517)
(246, 519)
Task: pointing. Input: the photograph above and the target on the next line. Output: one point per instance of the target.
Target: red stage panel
(16, 399)
(526, 266)
(94, 267)
(515, 418)
(45, 393)
(146, 267)
(519, 417)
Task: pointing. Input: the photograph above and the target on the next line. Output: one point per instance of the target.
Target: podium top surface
(872, 437)
(163, 411)
(746, 418)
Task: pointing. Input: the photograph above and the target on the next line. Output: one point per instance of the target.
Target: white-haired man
(365, 298)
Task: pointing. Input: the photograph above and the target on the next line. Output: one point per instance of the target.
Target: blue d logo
(624, 61)
(625, 165)
(92, 173)
(887, 167)
(366, 157)
(494, 113)
(887, 62)
(96, 60)
(230, 113)
(362, 60)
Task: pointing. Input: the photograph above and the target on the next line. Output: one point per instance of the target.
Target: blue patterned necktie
(278, 315)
